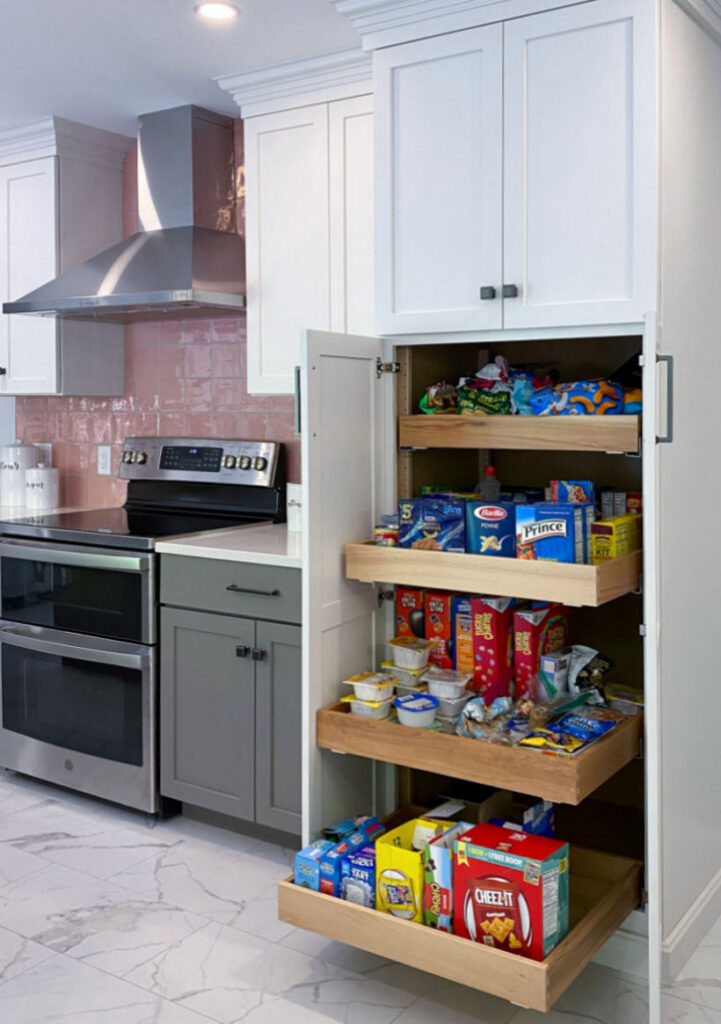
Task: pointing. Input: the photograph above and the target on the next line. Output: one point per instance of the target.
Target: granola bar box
(438, 878)
(510, 890)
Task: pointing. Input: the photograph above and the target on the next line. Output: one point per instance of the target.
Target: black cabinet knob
(242, 651)
(488, 292)
(3, 371)
(258, 654)
(510, 291)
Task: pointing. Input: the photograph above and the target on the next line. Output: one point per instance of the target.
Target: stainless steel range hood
(187, 260)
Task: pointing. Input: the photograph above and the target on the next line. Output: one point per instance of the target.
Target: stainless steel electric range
(78, 611)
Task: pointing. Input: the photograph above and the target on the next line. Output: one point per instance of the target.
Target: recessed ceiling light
(217, 10)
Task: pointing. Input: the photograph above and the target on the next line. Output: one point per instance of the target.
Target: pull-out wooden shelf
(530, 433)
(567, 780)
(604, 890)
(589, 585)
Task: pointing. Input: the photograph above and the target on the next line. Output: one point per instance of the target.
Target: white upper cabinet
(309, 207)
(439, 108)
(579, 164)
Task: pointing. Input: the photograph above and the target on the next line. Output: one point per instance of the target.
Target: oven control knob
(260, 463)
(127, 456)
(229, 461)
(141, 457)
(244, 462)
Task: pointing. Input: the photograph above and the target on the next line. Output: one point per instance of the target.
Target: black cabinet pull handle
(235, 589)
(242, 651)
(3, 371)
(488, 292)
(510, 291)
(258, 654)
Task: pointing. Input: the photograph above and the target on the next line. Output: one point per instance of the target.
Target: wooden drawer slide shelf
(604, 890)
(529, 433)
(565, 780)
(589, 585)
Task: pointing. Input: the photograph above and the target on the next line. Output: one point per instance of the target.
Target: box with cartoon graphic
(399, 867)
(358, 877)
(439, 628)
(541, 629)
(438, 878)
(492, 628)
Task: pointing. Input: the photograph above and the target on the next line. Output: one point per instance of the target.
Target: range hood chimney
(187, 260)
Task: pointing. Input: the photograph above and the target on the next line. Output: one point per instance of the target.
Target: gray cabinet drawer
(209, 584)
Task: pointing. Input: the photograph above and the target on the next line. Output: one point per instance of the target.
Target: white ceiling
(103, 62)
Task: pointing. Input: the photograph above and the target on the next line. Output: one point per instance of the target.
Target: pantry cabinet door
(288, 288)
(344, 447)
(28, 258)
(579, 165)
(439, 109)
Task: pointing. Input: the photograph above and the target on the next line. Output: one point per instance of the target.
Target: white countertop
(8, 513)
(260, 545)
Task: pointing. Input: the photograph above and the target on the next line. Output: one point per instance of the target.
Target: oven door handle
(68, 554)
(80, 647)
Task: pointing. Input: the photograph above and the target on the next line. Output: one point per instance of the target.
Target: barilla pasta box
(433, 524)
(462, 634)
(358, 877)
(438, 878)
(491, 528)
(539, 630)
(550, 532)
(307, 864)
(492, 625)
(399, 867)
(510, 890)
(439, 628)
(410, 617)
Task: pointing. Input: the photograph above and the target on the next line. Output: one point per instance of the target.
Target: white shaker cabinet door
(288, 288)
(28, 258)
(579, 165)
(438, 125)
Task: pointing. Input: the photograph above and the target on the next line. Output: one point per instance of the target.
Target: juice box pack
(439, 628)
(438, 879)
(550, 532)
(491, 528)
(410, 616)
(331, 862)
(307, 864)
(433, 524)
(539, 630)
(358, 877)
(510, 890)
(399, 867)
(492, 628)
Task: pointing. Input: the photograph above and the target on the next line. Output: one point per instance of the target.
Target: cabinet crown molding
(373, 16)
(56, 136)
(331, 76)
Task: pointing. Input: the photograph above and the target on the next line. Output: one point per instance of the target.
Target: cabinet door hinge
(385, 595)
(382, 367)
(642, 631)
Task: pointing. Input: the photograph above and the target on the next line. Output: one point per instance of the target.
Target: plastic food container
(419, 710)
(410, 678)
(451, 707)
(409, 652)
(410, 691)
(447, 724)
(444, 682)
(368, 708)
(373, 686)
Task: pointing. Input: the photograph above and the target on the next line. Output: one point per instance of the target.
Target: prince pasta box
(510, 890)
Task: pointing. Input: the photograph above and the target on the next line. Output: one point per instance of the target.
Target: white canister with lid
(15, 459)
(42, 487)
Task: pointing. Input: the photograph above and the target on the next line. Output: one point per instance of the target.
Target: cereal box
(550, 532)
(307, 864)
(510, 890)
(439, 629)
(491, 528)
(410, 617)
(538, 630)
(492, 624)
(572, 492)
(634, 504)
(434, 524)
(358, 877)
(399, 867)
(614, 537)
(438, 878)
(462, 634)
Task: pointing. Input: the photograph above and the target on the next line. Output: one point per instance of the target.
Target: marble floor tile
(700, 980)
(101, 853)
(456, 1004)
(18, 954)
(679, 1011)
(15, 864)
(597, 996)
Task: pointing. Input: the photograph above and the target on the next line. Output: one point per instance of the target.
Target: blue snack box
(437, 523)
(332, 860)
(572, 492)
(550, 532)
(589, 514)
(307, 864)
(491, 528)
(371, 827)
(358, 877)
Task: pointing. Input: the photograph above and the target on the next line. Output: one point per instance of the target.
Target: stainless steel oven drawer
(233, 588)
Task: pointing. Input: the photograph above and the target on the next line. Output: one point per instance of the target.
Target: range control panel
(182, 458)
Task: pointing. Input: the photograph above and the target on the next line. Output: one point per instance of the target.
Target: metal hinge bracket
(639, 588)
(642, 631)
(382, 367)
(385, 595)
(639, 755)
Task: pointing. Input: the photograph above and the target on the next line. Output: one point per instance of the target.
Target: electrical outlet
(46, 453)
(104, 460)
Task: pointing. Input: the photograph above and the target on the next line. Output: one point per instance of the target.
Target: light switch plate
(104, 460)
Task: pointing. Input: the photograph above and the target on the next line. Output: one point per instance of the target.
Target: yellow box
(611, 538)
(399, 867)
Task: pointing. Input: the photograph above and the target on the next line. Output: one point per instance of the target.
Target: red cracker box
(410, 617)
(439, 628)
(510, 890)
(538, 630)
(492, 626)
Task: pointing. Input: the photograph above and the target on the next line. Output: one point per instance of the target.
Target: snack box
(358, 877)
(410, 617)
(491, 528)
(439, 628)
(510, 890)
(399, 867)
(554, 669)
(550, 532)
(634, 503)
(462, 633)
(492, 626)
(572, 492)
(612, 538)
(589, 517)
(307, 864)
(539, 630)
(363, 823)
(438, 878)
(520, 495)
(332, 860)
(435, 524)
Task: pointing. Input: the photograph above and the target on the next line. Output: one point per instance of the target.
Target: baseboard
(691, 929)
(627, 950)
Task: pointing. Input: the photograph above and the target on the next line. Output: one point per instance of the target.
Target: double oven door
(78, 682)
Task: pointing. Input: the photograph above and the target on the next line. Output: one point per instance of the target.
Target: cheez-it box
(510, 890)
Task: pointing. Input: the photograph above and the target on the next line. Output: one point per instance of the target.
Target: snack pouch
(580, 398)
(439, 398)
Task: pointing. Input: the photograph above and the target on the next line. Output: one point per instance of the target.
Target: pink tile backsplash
(183, 378)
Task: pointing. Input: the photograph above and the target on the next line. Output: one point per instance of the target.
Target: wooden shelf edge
(569, 583)
(521, 433)
(559, 779)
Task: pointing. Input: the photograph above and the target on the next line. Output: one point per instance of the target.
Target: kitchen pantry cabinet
(514, 174)
(60, 202)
